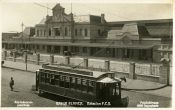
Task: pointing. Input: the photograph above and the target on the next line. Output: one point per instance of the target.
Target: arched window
(81, 32)
(37, 32)
(66, 31)
(99, 32)
(85, 32)
(49, 32)
(57, 31)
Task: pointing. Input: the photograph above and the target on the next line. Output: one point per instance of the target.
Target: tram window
(52, 80)
(67, 82)
(73, 83)
(79, 84)
(42, 74)
(42, 78)
(87, 83)
(57, 78)
(91, 86)
(48, 78)
(70, 79)
(91, 83)
(62, 79)
(116, 91)
(84, 85)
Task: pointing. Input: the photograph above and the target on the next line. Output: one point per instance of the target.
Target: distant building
(90, 35)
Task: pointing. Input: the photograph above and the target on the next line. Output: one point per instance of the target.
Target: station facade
(91, 35)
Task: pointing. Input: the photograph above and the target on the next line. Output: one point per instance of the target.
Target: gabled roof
(147, 28)
(131, 30)
(142, 21)
(57, 6)
(42, 21)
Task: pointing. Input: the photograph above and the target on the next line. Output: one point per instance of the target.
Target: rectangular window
(37, 47)
(52, 79)
(48, 78)
(43, 47)
(78, 83)
(81, 32)
(57, 79)
(62, 81)
(84, 49)
(57, 31)
(86, 32)
(73, 83)
(91, 86)
(67, 82)
(42, 77)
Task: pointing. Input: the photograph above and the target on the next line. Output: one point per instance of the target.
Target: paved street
(22, 89)
(23, 92)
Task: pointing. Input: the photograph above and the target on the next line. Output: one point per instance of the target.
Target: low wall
(77, 61)
(59, 60)
(120, 66)
(95, 63)
(141, 71)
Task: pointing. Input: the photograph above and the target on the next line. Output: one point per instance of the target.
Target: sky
(30, 13)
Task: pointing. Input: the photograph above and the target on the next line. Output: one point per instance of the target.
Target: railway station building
(94, 36)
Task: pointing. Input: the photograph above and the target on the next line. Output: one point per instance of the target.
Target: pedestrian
(11, 83)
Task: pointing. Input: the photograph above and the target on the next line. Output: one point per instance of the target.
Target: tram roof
(77, 71)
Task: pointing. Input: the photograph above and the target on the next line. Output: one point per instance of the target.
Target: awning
(102, 45)
(109, 80)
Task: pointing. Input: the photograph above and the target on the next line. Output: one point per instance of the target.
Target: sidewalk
(21, 66)
(148, 87)
(142, 86)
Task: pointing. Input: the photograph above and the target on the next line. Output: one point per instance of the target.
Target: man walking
(11, 83)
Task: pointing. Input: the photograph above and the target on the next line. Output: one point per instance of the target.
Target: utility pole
(24, 50)
(22, 34)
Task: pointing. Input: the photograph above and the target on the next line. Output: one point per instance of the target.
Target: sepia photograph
(86, 54)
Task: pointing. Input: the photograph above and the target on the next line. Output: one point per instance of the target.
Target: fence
(122, 67)
(147, 69)
(140, 70)
(44, 58)
(59, 60)
(95, 63)
(77, 61)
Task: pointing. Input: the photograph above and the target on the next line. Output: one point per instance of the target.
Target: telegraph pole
(24, 50)
(22, 25)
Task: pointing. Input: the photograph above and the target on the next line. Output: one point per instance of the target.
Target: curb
(128, 89)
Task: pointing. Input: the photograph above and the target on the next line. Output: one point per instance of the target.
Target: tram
(90, 87)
